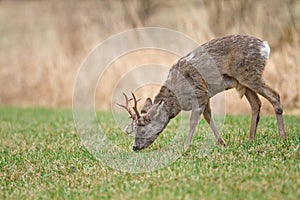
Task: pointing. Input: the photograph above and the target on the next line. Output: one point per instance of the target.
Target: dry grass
(42, 44)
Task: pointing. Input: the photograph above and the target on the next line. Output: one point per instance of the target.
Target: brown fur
(235, 61)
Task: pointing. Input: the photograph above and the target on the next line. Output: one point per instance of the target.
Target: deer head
(147, 125)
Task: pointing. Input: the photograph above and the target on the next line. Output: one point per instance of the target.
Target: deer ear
(146, 106)
(156, 111)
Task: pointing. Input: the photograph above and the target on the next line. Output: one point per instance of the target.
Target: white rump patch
(265, 50)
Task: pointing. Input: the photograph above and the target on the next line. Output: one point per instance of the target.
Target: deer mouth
(141, 147)
(136, 148)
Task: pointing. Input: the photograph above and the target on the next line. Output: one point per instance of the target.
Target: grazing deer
(239, 61)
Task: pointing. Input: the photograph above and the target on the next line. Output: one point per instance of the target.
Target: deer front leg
(194, 119)
(209, 120)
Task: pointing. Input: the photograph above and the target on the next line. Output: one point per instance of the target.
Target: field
(42, 157)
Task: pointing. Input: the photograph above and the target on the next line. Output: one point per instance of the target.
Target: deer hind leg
(274, 98)
(255, 104)
(209, 120)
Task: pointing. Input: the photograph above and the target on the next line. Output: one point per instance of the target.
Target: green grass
(42, 158)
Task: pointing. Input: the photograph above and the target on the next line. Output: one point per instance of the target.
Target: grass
(42, 158)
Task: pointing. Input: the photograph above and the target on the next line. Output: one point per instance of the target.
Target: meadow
(42, 157)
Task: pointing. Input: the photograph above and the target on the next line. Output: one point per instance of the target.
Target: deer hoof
(283, 136)
(222, 142)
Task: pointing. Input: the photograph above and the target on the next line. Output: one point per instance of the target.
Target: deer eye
(133, 126)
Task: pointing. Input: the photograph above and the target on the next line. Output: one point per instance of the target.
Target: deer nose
(135, 148)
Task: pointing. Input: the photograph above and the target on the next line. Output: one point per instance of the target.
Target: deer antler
(133, 115)
(135, 106)
(126, 106)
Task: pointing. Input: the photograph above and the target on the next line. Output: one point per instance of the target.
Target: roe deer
(238, 59)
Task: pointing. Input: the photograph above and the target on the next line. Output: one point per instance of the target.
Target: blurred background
(43, 43)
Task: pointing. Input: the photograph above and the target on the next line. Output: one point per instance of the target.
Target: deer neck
(171, 104)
